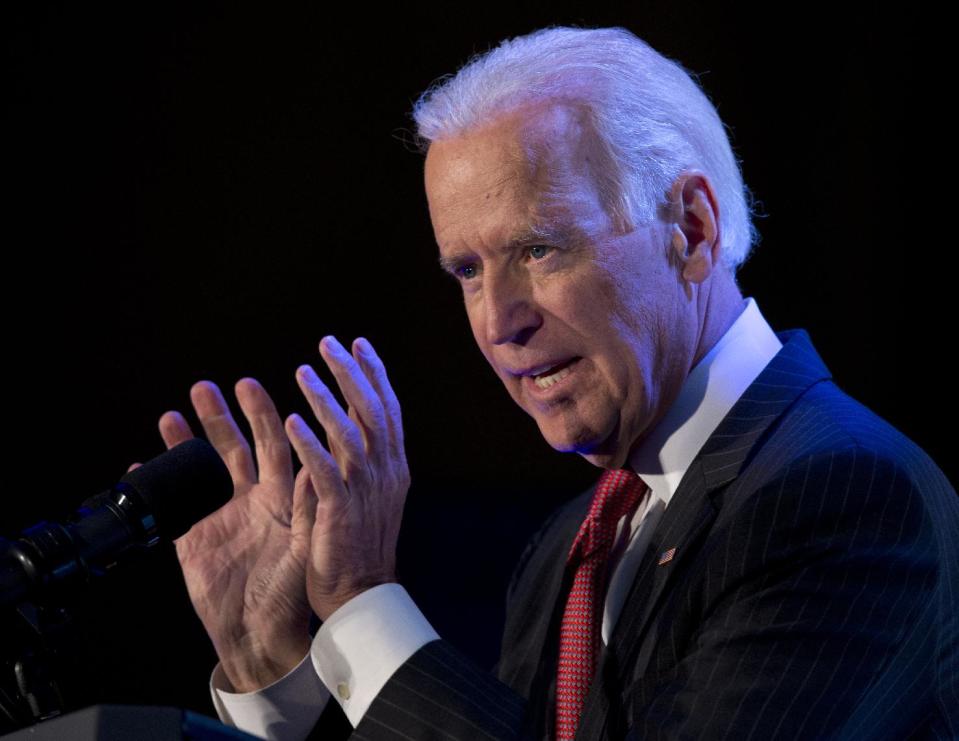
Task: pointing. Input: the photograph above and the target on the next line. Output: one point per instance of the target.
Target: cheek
(624, 337)
(477, 335)
(476, 325)
(478, 328)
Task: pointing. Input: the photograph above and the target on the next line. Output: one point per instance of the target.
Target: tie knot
(617, 493)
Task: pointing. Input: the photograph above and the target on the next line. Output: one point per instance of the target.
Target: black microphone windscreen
(182, 486)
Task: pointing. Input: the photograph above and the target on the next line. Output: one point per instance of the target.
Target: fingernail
(364, 346)
(333, 345)
(307, 373)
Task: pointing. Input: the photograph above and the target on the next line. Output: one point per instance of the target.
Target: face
(589, 329)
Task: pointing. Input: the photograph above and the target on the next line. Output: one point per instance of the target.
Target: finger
(360, 395)
(345, 438)
(134, 467)
(174, 429)
(272, 447)
(376, 374)
(324, 471)
(304, 507)
(222, 431)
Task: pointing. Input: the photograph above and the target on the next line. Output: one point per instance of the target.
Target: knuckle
(355, 471)
(399, 480)
(353, 439)
(379, 415)
(273, 449)
(379, 373)
(238, 451)
(322, 393)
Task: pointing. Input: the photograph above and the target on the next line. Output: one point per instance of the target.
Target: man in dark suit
(816, 551)
(787, 565)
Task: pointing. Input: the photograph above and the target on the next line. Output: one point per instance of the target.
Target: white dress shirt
(361, 645)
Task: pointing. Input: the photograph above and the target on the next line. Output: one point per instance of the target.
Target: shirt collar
(710, 390)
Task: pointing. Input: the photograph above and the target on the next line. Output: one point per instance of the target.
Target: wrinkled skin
(286, 544)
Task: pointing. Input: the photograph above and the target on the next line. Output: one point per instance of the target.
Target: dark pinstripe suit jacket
(814, 594)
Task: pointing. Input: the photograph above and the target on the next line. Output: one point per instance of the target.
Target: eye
(539, 251)
(465, 272)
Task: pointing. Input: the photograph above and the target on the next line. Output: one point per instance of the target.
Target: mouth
(552, 376)
(544, 378)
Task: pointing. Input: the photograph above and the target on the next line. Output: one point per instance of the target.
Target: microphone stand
(33, 654)
(39, 575)
(45, 571)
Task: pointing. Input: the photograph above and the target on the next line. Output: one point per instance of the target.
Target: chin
(606, 460)
(602, 450)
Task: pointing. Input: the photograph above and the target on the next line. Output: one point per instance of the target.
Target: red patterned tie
(617, 493)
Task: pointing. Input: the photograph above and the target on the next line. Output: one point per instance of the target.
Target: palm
(272, 552)
(245, 564)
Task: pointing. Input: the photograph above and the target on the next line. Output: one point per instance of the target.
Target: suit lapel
(795, 368)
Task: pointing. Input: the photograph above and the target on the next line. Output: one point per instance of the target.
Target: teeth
(544, 382)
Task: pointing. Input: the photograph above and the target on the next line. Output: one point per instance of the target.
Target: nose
(510, 311)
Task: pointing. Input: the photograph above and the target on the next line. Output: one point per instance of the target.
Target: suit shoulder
(834, 466)
(826, 424)
(830, 458)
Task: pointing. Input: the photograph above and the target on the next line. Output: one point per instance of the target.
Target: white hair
(651, 119)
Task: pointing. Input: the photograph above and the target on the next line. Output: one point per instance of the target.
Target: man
(779, 562)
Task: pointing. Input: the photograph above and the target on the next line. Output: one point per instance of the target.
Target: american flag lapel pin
(666, 556)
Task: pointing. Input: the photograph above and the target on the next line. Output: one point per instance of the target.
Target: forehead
(526, 170)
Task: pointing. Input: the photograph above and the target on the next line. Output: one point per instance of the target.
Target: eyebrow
(530, 235)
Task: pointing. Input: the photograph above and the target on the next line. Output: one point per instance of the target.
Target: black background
(204, 191)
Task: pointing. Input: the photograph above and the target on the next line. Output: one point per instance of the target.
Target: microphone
(160, 500)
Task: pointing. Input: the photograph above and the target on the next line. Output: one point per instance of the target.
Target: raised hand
(245, 564)
(359, 484)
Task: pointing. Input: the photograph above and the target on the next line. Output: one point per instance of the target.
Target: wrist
(254, 666)
(325, 605)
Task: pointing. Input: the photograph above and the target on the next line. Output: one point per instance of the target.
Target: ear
(694, 213)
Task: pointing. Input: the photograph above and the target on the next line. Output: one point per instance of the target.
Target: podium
(129, 723)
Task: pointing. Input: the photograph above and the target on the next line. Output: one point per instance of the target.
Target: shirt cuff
(286, 709)
(361, 645)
